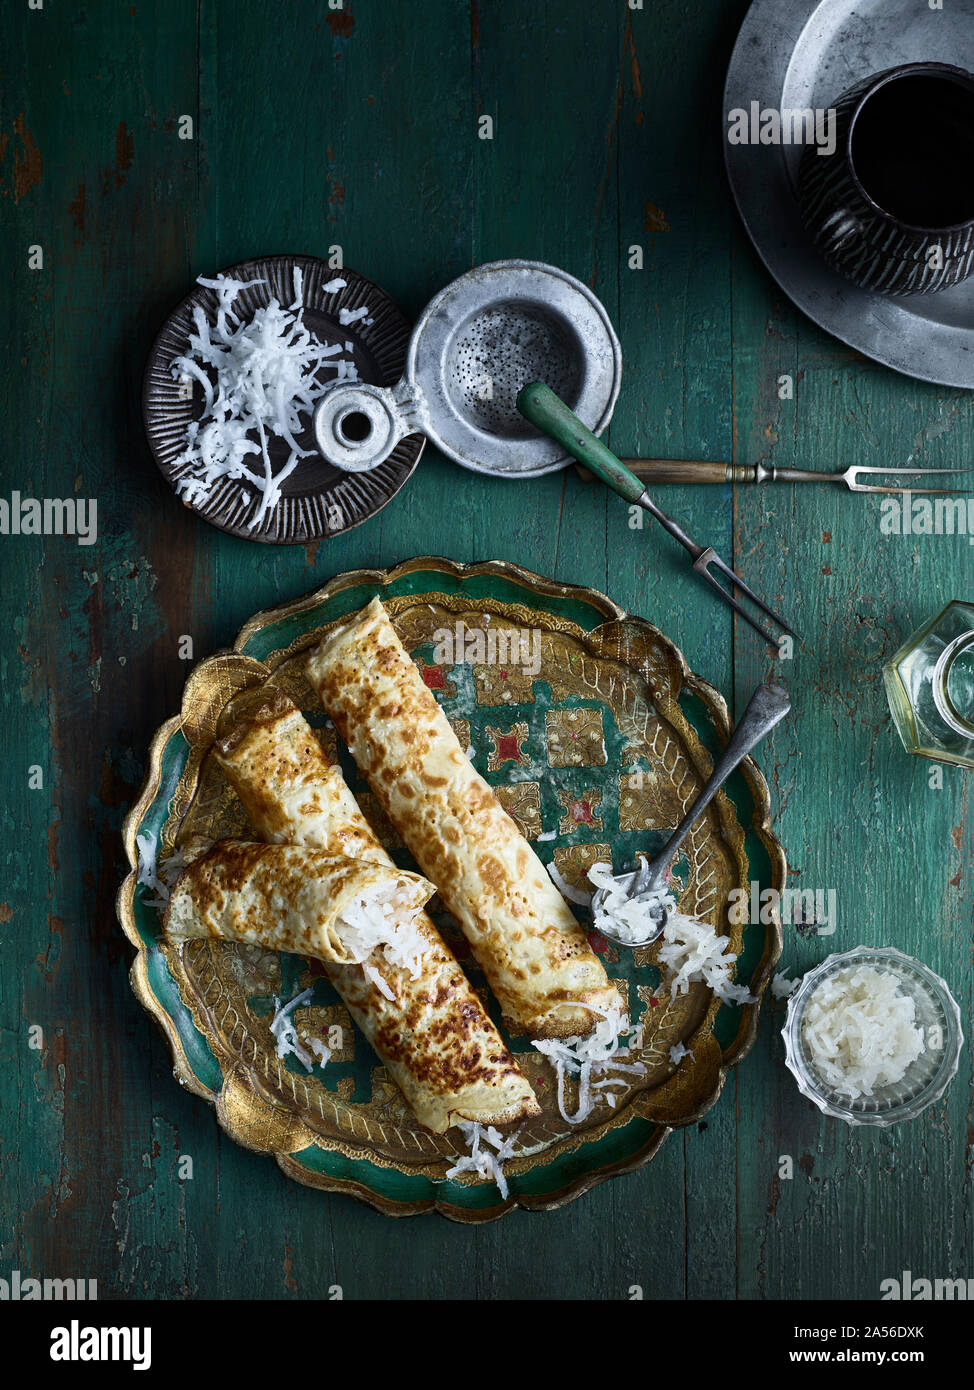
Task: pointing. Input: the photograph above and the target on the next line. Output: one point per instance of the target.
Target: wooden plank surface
(358, 128)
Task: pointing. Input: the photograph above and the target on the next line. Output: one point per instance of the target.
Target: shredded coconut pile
(260, 381)
(147, 843)
(481, 1160)
(782, 987)
(693, 951)
(635, 923)
(601, 1051)
(286, 1034)
(677, 1053)
(380, 921)
(690, 950)
(159, 877)
(859, 1031)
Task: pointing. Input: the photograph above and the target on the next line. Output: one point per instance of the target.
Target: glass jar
(930, 687)
(925, 1081)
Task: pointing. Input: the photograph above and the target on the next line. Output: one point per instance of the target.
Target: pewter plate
(503, 325)
(317, 500)
(805, 53)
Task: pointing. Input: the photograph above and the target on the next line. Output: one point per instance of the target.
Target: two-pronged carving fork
(539, 404)
(688, 471)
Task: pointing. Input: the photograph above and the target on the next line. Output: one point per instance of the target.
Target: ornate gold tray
(596, 739)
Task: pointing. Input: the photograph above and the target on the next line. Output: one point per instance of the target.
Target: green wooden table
(312, 128)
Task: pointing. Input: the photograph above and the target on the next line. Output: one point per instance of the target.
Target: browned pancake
(440, 1047)
(283, 897)
(536, 957)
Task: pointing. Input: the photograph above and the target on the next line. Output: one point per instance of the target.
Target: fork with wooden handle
(689, 471)
(539, 404)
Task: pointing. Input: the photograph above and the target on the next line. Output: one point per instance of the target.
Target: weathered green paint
(314, 128)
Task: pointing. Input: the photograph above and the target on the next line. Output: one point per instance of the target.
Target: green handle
(539, 404)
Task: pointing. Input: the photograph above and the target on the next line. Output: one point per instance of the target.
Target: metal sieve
(477, 343)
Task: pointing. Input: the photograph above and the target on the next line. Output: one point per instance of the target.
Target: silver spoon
(767, 707)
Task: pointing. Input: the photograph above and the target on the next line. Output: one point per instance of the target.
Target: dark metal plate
(805, 53)
(317, 500)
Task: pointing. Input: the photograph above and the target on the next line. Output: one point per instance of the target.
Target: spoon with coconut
(631, 909)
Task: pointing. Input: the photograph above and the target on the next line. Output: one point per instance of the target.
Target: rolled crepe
(290, 898)
(536, 957)
(433, 1035)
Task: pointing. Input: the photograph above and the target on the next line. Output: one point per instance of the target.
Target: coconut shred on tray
(260, 379)
(690, 951)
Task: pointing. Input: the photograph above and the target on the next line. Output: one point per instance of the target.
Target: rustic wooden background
(358, 127)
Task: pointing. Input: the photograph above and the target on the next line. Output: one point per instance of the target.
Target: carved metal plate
(318, 501)
(596, 753)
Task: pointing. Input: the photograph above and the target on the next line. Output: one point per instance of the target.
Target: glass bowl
(925, 1080)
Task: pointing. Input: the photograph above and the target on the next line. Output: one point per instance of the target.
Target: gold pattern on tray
(503, 685)
(461, 727)
(507, 746)
(575, 738)
(624, 665)
(522, 802)
(251, 966)
(331, 1024)
(581, 810)
(574, 862)
(638, 802)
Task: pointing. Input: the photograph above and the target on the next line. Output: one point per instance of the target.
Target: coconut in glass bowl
(872, 1036)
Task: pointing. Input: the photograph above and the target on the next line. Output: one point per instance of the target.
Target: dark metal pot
(885, 250)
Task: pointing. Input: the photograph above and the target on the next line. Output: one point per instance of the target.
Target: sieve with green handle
(475, 345)
(544, 409)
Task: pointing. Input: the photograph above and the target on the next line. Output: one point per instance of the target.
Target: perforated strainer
(482, 339)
